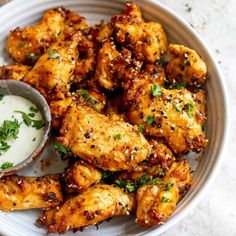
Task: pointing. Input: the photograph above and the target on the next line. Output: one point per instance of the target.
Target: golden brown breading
(185, 66)
(22, 193)
(107, 144)
(85, 62)
(94, 205)
(169, 114)
(161, 155)
(15, 72)
(25, 45)
(147, 40)
(58, 109)
(156, 202)
(81, 176)
(105, 72)
(53, 71)
(127, 26)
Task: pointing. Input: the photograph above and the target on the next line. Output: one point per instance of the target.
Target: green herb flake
(38, 124)
(177, 108)
(140, 128)
(165, 199)
(1, 97)
(189, 9)
(168, 186)
(149, 120)
(117, 136)
(53, 55)
(9, 129)
(142, 180)
(190, 110)
(6, 165)
(129, 188)
(34, 139)
(161, 174)
(156, 90)
(106, 174)
(31, 114)
(61, 148)
(33, 109)
(4, 147)
(25, 118)
(145, 162)
(32, 57)
(123, 209)
(85, 94)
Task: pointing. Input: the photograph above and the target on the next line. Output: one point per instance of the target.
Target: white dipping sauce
(28, 137)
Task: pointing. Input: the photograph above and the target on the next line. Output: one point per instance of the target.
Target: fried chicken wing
(53, 71)
(25, 45)
(107, 144)
(81, 176)
(169, 114)
(156, 202)
(147, 40)
(15, 72)
(22, 193)
(94, 205)
(185, 66)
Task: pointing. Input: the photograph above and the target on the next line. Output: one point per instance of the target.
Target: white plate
(23, 12)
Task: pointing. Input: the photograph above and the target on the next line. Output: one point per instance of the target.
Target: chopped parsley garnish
(32, 57)
(168, 186)
(9, 129)
(118, 136)
(156, 90)
(161, 174)
(38, 124)
(140, 128)
(33, 109)
(85, 94)
(189, 9)
(61, 148)
(177, 108)
(145, 162)
(165, 199)
(142, 180)
(149, 120)
(190, 110)
(31, 114)
(129, 188)
(106, 174)
(176, 86)
(6, 165)
(1, 97)
(4, 147)
(34, 139)
(53, 55)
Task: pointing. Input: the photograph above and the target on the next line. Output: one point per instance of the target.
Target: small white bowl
(22, 12)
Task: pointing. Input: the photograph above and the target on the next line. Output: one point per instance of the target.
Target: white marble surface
(215, 21)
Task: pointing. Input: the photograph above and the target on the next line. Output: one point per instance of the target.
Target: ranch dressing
(28, 137)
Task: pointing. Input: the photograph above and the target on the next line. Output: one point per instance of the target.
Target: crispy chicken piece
(53, 71)
(25, 45)
(85, 62)
(58, 109)
(107, 144)
(94, 205)
(127, 26)
(22, 193)
(155, 203)
(147, 40)
(15, 72)
(169, 114)
(74, 20)
(185, 66)
(81, 176)
(105, 72)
